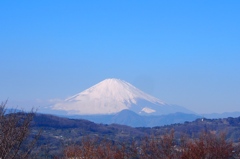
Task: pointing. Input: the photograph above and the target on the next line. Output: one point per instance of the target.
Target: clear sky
(182, 52)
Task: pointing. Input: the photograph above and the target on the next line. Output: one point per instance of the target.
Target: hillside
(78, 128)
(58, 132)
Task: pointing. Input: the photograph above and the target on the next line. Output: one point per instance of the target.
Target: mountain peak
(112, 80)
(116, 89)
(112, 96)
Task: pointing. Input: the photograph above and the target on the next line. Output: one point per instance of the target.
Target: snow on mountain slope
(111, 96)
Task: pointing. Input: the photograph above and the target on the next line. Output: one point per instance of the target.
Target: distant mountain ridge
(112, 96)
(129, 118)
(221, 115)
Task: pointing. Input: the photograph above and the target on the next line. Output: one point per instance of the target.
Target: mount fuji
(111, 96)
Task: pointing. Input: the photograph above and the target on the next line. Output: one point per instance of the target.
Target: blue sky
(182, 52)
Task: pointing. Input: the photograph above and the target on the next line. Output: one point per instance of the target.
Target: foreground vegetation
(31, 135)
(15, 138)
(207, 146)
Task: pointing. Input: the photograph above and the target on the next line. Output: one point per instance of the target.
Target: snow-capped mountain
(112, 96)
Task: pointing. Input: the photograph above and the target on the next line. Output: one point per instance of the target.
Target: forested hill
(78, 127)
(229, 126)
